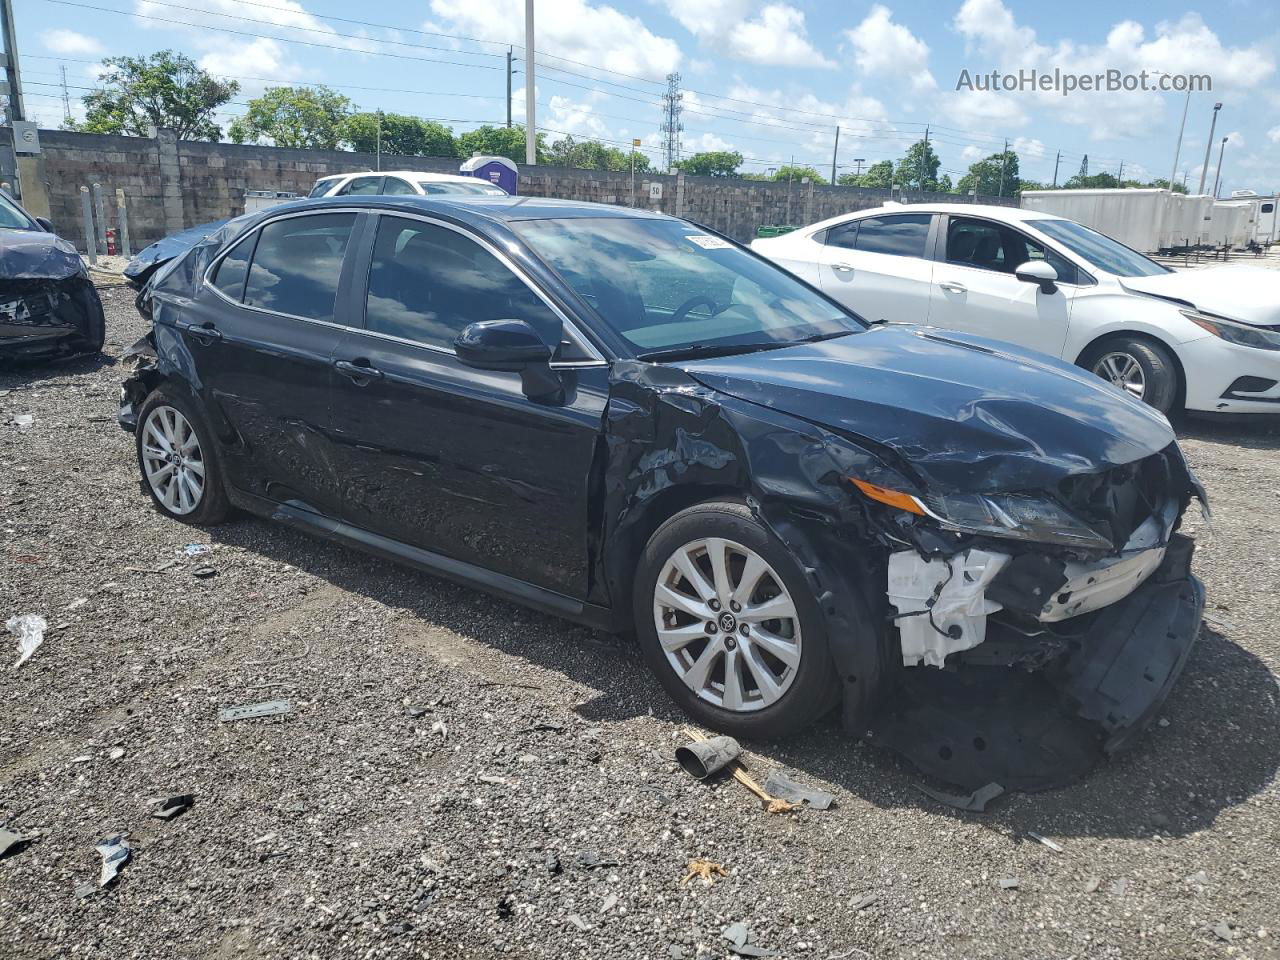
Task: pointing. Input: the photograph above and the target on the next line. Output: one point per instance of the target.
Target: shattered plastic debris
(702, 758)
(1092, 884)
(1223, 931)
(772, 804)
(29, 629)
(1055, 847)
(706, 870)
(975, 802)
(1008, 883)
(196, 549)
(174, 807)
(591, 860)
(115, 854)
(578, 922)
(609, 903)
(23, 421)
(739, 937)
(204, 573)
(11, 842)
(117, 753)
(782, 786)
(251, 711)
(440, 728)
(862, 901)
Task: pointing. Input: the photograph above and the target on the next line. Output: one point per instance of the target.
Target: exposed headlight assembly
(1264, 338)
(1011, 515)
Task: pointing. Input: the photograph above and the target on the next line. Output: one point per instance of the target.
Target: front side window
(901, 235)
(665, 286)
(297, 264)
(361, 187)
(1101, 251)
(427, 282)
(234, 268)
(994, 246)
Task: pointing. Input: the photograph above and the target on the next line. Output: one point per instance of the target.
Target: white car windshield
(1103, 252)
(671, 289)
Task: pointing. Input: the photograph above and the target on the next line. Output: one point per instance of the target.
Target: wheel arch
(1102, 340)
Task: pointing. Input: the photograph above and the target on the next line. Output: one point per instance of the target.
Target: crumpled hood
(36, 255)
(169, 247)
(967, 414)
(1244, 293)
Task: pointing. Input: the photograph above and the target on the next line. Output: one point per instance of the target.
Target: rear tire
(744, 649)
(1142, 368)
(178, 460)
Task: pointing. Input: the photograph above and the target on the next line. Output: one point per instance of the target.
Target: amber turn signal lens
(892, 498)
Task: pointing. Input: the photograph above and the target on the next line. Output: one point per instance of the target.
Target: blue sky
(769, 79)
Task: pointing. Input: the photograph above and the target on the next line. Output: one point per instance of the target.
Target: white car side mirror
(1037, 271)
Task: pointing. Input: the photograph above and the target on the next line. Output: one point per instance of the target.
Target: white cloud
(776, 38)
(69, 42)
(709, 18)
(578, 119)
(1028, 148)
(1235, 138)
(599, 35)
(1274, 134)
(972, 154)
(884, 47)
(261, 57)
(1186, 46)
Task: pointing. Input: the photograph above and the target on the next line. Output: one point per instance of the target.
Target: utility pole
(1120, 175)
(858, 169)
(923, 153)
(66, 97)
(1178, 149)
(671, 125)
(1004, 159)
(1056, 161)
(16, 111)
(530, 104)
(378, 148)
(634, 143)
(1218, 179)
(834, 151)
(508, 88)
(1204, 168)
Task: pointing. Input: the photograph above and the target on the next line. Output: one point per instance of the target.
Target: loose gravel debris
(380, 841)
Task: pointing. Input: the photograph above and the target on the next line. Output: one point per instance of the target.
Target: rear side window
(901, 235)
(234, 268)
(297, 263)
(361, 187)
(427, 282)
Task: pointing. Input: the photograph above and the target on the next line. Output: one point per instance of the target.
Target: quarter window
(361, 187)
(901, 235)
(395, 187)
(844, 235)
(297, 264)
(427, 282)
(234, 268)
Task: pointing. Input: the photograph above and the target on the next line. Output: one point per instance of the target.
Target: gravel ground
(462, 778)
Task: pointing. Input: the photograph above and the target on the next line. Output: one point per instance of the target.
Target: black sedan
(48, 304)
(629, 421)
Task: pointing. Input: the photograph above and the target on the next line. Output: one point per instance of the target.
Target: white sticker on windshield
(708, 242)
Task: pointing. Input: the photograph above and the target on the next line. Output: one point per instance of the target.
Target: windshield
(1103, 252)
(12, 218)
(322, 187)
(669, 288)
(478, 188)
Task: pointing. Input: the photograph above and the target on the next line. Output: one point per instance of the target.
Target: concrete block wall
(172, 184)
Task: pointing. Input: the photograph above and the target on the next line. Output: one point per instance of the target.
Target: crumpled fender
(35, 255)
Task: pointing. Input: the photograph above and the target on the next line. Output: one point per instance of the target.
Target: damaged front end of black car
(48, 305)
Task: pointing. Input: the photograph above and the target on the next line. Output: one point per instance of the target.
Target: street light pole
(1178, 149)
(530, 100)
(1204, 168)
(1218, 179)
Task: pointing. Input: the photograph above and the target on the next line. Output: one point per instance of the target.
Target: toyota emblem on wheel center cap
(728, 622)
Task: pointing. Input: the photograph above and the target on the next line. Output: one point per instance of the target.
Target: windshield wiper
(696, 351)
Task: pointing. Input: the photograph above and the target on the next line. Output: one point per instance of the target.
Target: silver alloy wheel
(172, 459)
(1123, 370)
(727, 625)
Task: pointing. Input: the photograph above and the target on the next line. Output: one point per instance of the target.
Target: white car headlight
(1264, 338)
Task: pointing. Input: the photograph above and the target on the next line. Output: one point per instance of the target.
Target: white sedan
(402, 183)
(1204, 339)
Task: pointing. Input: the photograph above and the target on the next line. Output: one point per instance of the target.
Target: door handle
(206, 333)
(842, 268)
(952, 287)
(358, 371)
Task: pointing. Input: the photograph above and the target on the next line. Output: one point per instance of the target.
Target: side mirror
(500, 345)
(1037, 271)
(46, 224)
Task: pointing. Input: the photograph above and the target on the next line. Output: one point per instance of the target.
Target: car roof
(419, 175)
(992, 210)
(492, 208)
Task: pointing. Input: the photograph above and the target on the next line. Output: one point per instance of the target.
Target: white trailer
(1137, 218)
(1266, 225)
(1187, 221)
(1230, 224)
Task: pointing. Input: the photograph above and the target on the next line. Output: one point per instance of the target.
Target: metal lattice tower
(671, 125)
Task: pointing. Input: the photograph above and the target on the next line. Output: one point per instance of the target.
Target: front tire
(728, 622)
(178, 461)
(1141, 368)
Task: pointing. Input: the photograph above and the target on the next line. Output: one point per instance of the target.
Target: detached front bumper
(1033, 709)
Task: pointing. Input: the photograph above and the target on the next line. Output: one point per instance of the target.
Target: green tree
(918, 169)
(402, 135)
(589, 155)
(498, 142)
(303, 117)
(165, 89)
(798, 173)
(1160, 183)
(712, 163)
(986, 175)
(1093, 181)
(878, 175)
